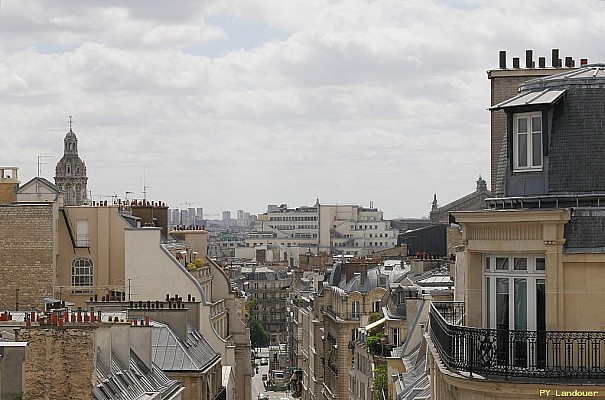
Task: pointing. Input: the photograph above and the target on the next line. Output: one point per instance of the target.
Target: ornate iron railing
(331, 339)
(347, 316)
(543, 354)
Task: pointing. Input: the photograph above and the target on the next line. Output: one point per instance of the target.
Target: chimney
(583, 61)
(542, 62)
(8, 184)
(555, 58)
(529, 62)
(502, 59)
(515, 62)
(568, 62)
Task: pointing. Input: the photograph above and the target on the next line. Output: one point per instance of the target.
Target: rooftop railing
(512, 353)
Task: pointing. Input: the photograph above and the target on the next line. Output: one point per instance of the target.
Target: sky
(237, 104)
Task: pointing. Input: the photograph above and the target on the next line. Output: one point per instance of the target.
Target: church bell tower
(70, 173)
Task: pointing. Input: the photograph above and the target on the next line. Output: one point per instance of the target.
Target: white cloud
(351, 101)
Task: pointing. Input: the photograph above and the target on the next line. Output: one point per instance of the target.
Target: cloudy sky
(236, 104)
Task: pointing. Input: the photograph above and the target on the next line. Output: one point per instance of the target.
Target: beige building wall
(105, 250)
(446, 385)
(155, 273)
(574, 291)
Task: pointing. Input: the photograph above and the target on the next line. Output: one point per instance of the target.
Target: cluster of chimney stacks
(556, 62)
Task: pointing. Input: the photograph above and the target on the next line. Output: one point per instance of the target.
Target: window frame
(82, 275)
(529, 156)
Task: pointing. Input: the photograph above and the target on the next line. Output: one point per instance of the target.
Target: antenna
(145, 187)
(40, 157)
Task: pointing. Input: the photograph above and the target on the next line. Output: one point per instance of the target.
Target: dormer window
(527, 142)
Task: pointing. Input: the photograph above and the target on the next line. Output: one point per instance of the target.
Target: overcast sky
(236, 104)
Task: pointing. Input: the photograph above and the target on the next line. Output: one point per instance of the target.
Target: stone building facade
(60, 363)
(26, 255)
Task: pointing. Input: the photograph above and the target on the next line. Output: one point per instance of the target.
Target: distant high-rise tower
(70, 173)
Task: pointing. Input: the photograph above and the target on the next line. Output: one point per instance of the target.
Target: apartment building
(526, 320)
(270, 288)
(338, 229)
(351, 293)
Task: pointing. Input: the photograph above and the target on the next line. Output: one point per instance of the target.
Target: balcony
(331, 339)
(510, 353)
(355, 316)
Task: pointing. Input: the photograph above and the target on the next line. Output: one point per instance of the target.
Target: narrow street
(258, 386)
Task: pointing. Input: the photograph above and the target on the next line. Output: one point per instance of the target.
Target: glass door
(515, 305)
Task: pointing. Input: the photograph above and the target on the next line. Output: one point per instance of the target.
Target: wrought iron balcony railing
(355, 316)
(503, 352)
(331, 339)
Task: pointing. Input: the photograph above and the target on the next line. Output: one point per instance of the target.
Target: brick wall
(26, 255)
(59, 363)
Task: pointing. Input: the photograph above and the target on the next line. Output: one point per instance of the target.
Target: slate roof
(170, 353)
(131, 382)
(393, 274)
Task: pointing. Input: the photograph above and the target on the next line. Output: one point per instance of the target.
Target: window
(396, 336)
(355, 310)
(376, 306)
(82, 233)
(81, 273)
(527, 141)
(515, 299)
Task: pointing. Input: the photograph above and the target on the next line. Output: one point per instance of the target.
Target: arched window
(81, 273)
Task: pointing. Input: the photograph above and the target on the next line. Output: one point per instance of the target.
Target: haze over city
(232, 105)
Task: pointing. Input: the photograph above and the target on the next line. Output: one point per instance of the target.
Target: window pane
(521, 304)
(536, 148)
(488, 302)
(520, 264)
(502, 303)
(487, 266)
(522, 125)
(536, 124)
(540, 264)
(502, 263)
(522, 150)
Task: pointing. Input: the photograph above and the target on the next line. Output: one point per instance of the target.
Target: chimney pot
(502, 59)
(542, 62)
(529, 63)
(515, 62)
(583, 61)
(568, 62)
(555, 58)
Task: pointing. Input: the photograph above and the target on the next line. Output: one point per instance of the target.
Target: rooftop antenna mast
(40, 163)
(145, 187)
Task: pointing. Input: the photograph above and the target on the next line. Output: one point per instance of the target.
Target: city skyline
(241, 104)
